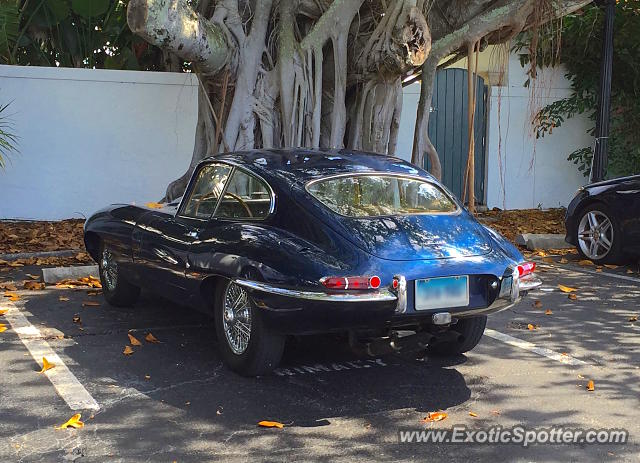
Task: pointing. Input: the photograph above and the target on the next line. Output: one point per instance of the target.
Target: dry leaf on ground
(11, 295)
(8, 286)
(33, 285)
(611, 266)
(133, 340)
(3, 327)
(271, 424)
(585, 263)
(63, 299)
(73, 422)
(76, 319)
(90, 304)
(127, 350)
(475, 415)
(46, 365)
(532, 327)
(573, 297)
(33, 277)
(537, 304)
(151, 338)
(591, 385)
(3, 311)
(548, 312)
(435, 416)
(633, 318)
(566, 289)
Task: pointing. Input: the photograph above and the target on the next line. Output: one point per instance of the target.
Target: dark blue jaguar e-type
(282, 242)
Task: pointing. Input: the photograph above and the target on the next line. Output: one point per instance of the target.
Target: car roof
(301, 165)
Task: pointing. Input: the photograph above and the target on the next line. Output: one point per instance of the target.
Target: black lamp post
(599, 166)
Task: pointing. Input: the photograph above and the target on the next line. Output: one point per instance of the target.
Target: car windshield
(380, 195)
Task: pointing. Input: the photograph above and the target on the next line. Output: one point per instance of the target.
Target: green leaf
(90, 8)
(9, 29)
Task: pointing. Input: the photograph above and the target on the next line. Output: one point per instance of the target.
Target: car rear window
(380, 195)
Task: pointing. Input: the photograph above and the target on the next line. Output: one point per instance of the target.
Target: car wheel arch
(92, 243)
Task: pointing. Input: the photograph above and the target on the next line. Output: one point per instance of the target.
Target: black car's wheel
(598, 235)
(246, 345)
(471, 329)
(116, 289)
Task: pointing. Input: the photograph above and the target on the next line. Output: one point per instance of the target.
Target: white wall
(522, 171)
(89, 138)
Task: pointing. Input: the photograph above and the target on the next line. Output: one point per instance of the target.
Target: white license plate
(441, 293)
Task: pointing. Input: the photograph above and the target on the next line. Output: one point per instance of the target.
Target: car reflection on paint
(293, 242)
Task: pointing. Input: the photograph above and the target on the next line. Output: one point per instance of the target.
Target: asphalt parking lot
(174, 400)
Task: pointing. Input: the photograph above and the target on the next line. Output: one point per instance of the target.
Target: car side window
(206, 191)
(246, 197)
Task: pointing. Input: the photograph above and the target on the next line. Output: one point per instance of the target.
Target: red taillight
(395, 283)
(351, 282)
(526, 268)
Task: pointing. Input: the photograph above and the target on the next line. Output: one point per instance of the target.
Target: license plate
(440, 293)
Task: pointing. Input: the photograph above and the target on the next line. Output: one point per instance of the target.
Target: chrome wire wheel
(236, 318)
(109, 269)
(595, 235)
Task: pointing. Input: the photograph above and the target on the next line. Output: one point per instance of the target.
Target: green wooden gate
(449, 129)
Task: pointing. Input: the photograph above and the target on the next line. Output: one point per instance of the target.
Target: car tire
(471, 329)
(262, 351)
(614, 254)
(116, 289)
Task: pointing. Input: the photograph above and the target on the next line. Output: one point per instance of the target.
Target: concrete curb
(53, 275)
(28, 255)
(536, 241)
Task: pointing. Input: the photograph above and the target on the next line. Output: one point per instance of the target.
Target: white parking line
(526, 345)
(65, 383)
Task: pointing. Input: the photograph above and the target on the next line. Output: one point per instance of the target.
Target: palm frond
(9, 28)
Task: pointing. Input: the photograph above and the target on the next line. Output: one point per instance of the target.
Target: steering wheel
(241, 201)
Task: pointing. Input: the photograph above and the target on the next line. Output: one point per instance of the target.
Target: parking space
(174, 401)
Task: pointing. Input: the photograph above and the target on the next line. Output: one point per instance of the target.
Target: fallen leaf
(434, 416)
(547, 260)
(33, 277)
(90, 304)
(495, 412)
(94, 293)
(473, 414)
(599, 269)
(154, 205)
(548, 312)
(537, 304)
(611, 266)
(63, 299)
(580, 377)
(271, 424)
(127, 350)
(8, 286)
(46, 365)
(74, 422)
(573, 297)
(532, 327)
(3, 311)
(133, 340)
(566, 289)
(11, 295)
(585, 263)
(76, 319)
(3, 328)
(33, 285)
(147, 377)
(563, 261)
(629, 270)
(633, 318)
(591, 385)
(151, 338)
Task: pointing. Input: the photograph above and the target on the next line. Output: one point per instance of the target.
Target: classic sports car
(293, 242)
(603, 220)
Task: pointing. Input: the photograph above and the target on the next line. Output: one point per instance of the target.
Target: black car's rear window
(380, 195)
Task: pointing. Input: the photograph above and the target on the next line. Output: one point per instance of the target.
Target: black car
(282, 242)
(603, 220)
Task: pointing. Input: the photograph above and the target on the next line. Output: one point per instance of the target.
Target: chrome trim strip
(529, 282)
(401, 306)
(382, 295)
